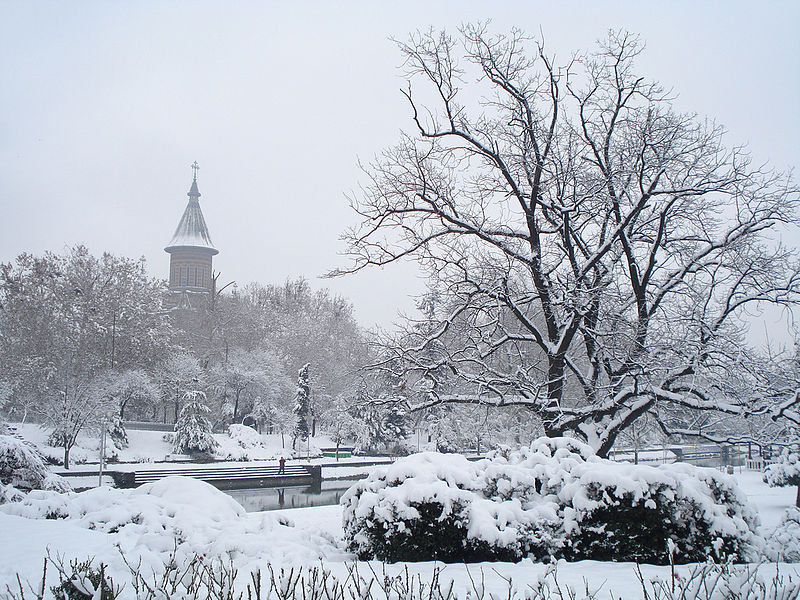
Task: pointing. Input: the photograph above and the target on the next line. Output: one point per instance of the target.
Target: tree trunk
(66, 457)
(797, 497)
(555, 380)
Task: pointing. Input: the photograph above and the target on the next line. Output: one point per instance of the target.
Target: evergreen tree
(396, 424)
(301, 406)
(193, 429)
(116, 430)
(369, 434)
(376, 428)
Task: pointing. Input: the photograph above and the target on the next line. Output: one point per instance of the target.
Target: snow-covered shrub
(537, 471)
(784, 543)
(245, 436)
(8, 493)
(785, 472)
(22, 469)
(239, 455)
(81, 580)
(20, 465)
(228, 449)
(398, 449)
(193, 429)
(629, 512)
(554, 499)
(616, 511)
(425, 507)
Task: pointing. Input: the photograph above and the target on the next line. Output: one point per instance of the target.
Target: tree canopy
(593, 250)
(68, 320)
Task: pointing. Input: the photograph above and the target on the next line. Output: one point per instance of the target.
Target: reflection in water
(266, 498)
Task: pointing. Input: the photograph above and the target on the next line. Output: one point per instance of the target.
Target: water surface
(301, 496)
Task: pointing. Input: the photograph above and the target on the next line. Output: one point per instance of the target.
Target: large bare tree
(594, 249)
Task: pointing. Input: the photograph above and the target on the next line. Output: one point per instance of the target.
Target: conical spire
(192, 231)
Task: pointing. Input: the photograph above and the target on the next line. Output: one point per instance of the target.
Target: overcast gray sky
(103, 107)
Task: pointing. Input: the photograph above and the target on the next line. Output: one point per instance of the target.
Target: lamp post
(102, 449)
(104, 419)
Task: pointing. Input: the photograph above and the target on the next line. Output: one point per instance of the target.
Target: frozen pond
(269, 498)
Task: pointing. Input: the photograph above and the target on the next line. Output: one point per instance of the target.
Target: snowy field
(148, 449)
(144, 523)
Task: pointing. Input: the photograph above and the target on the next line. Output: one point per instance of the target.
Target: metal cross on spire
(195, 168)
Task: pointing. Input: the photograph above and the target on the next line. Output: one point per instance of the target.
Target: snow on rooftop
(192, 231)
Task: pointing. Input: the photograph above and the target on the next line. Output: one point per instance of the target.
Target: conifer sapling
(301, 406)
(193, 429)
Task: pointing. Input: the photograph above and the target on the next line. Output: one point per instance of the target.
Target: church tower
(191, 251)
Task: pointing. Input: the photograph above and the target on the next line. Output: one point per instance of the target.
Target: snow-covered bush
(630, 512)
(554, 499)
(8, 493)
(245, 436)
(193, 429)
(20, 465)
(239, 444)
(617, 511)
(82, 580)
(425, 507)
(784, 543)
(785, 472)
(22, 469)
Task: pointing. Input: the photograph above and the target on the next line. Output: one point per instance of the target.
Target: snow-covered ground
(146, 447)
(143, 523)
(150, 446)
